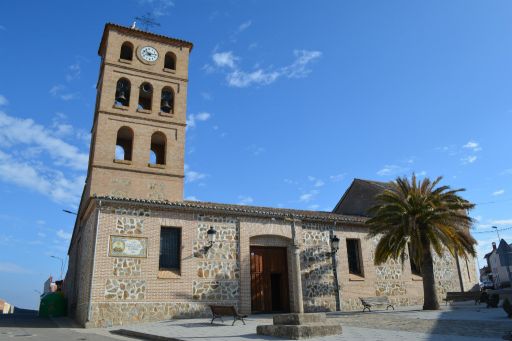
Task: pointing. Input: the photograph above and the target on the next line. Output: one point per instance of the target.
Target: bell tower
(138, 133)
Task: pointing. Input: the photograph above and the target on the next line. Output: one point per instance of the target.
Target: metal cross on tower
(147, 21)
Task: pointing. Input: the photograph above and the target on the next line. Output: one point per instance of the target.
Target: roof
(242, 209)
(360, 197)
(141, 34)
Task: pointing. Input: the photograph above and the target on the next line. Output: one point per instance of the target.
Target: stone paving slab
(408, 324)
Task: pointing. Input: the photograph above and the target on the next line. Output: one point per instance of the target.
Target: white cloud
(206, 96)
(422, 173)
(58, 91)
(37, 178)
(245, 200)
(8, 267)
(307, 197)
(469, 159)
(2, 28)
(239, 78)
(337, 177)
(225, 59)
(17, 131)
(290, 181)
(192, 176)
(158, 7)
(191, 198)
(64, 235)
(498, 192)
(74, 71)
(41, 234)
(255, 150)
(473, 145)
(245, 25)
(242, 79)
(389, 170)
(316, 182)
(313, 207)
(193, 118)
(3, 100)
(298, 69)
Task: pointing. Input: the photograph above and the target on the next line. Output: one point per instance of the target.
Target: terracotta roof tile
(243, 209)
(133, 31)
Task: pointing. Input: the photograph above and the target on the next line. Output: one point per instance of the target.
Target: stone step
(296, 319)
(296, 332)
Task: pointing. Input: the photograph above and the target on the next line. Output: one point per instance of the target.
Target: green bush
(507, 307)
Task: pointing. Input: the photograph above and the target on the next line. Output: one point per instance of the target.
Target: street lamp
(210, 234)
(335, 246)
(61, 264)
(496, 228)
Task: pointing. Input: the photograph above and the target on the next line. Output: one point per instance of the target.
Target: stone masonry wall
(318, 285)
(218, 270)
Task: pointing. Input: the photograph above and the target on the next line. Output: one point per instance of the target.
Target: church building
(139, 252)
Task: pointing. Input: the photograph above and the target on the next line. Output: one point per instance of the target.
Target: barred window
(355, 265)
(170, 248)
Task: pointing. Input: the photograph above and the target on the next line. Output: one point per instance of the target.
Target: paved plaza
(453, 323)
(457, 323)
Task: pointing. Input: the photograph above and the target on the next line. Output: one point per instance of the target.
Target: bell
(120, 96)
(166, 107)
(146, 87)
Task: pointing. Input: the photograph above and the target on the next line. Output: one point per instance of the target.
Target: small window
(124, 144)
(145, 96)
(355, 265)
(170, 61)
(170, 248)
(157, 153)
(167, 100)
(126, 51)
(122, 93)
(415, 267)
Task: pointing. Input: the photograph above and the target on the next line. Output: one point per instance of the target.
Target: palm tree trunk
(430, 301)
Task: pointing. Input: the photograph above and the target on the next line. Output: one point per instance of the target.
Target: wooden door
(269, 279)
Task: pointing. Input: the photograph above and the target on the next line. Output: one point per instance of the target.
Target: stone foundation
(121, 313)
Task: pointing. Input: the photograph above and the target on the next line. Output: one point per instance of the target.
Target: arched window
(170, 61)
(124, 144)
(145, 96)
(157, 153)
(122, 92)
(167, 100)
(126, 51)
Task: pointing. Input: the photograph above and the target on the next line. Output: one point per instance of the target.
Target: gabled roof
(142, 34)
(360, 197)
(242, 209)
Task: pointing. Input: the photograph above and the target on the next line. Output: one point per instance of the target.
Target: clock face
(149, 53)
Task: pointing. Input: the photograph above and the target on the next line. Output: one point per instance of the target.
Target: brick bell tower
(138, 134)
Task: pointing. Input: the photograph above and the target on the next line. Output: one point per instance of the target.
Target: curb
(144, 336)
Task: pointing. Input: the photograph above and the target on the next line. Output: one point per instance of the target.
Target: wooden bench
(221, 310)
(369, 302)
(463, 296)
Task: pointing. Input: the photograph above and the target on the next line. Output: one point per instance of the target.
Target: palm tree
(425, 216)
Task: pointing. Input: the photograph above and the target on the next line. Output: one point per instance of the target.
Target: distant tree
(426, 216)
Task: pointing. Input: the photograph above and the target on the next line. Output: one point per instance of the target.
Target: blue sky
(288, 102)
